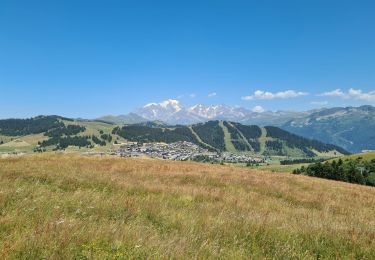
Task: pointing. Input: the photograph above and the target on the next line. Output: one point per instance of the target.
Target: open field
(276, 167)
(69, 206)
(280, 168)
(365, 156)
(21, 143)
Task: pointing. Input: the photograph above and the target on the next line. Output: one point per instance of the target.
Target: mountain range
(172, 112)
(352, 128)
(349, 127)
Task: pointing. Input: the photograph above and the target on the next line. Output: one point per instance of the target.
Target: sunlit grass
(72, 207)
(368, 156)
(281, 168)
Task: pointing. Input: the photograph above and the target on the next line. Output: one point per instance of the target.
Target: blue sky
(89, 58)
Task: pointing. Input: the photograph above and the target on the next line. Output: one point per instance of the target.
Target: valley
(213, 141)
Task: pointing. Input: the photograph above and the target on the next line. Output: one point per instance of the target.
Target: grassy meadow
(368, 156)
(75, 207)
(277, 167)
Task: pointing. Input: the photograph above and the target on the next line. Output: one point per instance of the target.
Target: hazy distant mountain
(352, 128)
(274, 118)
(130, 118)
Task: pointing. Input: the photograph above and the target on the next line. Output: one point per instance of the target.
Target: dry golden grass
(72, 207)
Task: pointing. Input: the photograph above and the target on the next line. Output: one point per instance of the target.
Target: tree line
(295, 141)
(303, 160)
(36, 125)
(63, 136)
(353, 171)
(144, 134)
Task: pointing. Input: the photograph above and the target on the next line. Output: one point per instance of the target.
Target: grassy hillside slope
(27, 143)
(368, 156)
(66, 206)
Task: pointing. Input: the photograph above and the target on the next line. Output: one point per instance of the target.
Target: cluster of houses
(236, 158)
(180, 151)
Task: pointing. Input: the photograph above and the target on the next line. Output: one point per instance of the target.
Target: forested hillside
(50, 132)
(58, 133)
(211, 133)
(360, 170)
(295, 141)
(274, 141)
(141, 133)
(36, 125)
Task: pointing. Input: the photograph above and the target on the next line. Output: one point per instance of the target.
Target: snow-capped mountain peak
(171, 104)
(161, 111)
(172, 112)
(215, 111)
